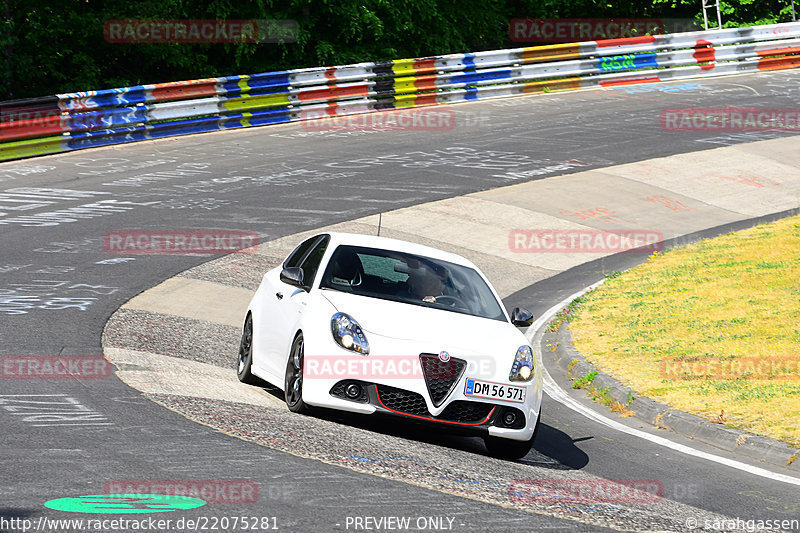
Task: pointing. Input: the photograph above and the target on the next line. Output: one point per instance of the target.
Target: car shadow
(15, 517)
(552, 448)
(560, 447)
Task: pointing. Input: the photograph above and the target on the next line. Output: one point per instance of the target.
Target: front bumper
(459, 415)
(403, 386)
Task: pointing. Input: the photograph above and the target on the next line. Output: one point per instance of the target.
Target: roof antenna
(379, 224)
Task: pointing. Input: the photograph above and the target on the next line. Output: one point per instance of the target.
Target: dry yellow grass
(712, 328)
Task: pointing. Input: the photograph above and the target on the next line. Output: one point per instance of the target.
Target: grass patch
(602, 396)
(708, 328)
(564, 314)
(583, 382)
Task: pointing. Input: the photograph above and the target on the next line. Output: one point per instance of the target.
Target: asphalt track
(59, 287)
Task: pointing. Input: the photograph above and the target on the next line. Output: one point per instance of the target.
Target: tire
(245, 360)
(293, 380)
(511, 449)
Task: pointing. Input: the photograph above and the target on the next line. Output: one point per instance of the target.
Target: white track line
(535, 333)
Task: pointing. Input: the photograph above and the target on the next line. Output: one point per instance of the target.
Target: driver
(347, 268)
(426, 284)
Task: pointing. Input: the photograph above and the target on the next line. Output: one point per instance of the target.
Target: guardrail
(74, 121)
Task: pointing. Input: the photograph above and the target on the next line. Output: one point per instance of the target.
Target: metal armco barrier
(97, 118)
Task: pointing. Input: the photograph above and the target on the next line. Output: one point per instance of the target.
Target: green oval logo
(125, 503)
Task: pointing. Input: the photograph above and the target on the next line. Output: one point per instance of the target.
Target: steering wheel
(454, 301)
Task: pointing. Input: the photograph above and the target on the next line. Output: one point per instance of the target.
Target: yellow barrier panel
(31, 147)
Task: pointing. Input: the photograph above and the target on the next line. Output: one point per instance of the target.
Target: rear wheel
(293, 382)
(511, 449)
(245, 359)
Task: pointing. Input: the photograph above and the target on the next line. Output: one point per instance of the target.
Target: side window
(311, 263)
(300, 252)
(382, 267)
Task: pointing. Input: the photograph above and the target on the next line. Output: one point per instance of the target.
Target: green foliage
(585, 380)
(737, 13)
(51, 47)
(565, 314)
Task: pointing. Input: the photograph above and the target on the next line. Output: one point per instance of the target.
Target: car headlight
(348, 334)
(522, 368)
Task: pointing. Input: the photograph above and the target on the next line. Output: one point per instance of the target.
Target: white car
(376, 325)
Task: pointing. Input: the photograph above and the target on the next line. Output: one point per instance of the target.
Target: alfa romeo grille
(441, 377)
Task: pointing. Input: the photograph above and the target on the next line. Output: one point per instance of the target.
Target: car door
(285, 305)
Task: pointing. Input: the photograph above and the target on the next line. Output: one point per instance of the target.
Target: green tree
(51, 47)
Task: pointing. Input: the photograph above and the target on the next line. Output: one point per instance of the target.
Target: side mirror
(293, 276)
(521, 317)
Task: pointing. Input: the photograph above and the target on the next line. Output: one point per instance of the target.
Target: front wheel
(293, 382)
(245, 359)
(511, 449)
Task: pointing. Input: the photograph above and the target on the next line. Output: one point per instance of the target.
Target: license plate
(494, 391)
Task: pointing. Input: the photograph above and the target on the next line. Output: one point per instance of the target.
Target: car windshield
(411, 279)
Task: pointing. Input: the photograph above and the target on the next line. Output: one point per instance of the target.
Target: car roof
(386, 243)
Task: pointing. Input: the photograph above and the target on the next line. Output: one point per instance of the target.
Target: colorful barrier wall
(74, 121)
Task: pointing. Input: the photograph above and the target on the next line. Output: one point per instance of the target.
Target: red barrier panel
(12, 111)
(180, 90)
(333, 92)
(778, 63)
(23, 129)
